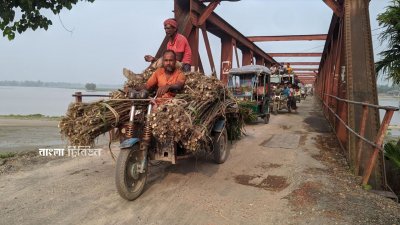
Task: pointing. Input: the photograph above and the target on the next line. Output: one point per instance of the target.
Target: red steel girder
(305, 69)
(219, 0)
(334, 6)
(305, 54)
(236, 54)
(226, 57)
(304, 63)
(208, 47)
(220, 28)
(306, 74)
(207, 12)
(247, 58)
(310, 37)
(259, 61)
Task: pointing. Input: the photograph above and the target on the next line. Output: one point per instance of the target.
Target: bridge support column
(247, 58)
(361, 81)
(226, 57)
(260, 61)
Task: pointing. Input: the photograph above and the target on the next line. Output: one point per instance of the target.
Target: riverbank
(19, 135)
(30, 117)
(25, 133)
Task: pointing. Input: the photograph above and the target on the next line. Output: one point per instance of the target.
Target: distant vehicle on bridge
(282, 78)
(251, 86)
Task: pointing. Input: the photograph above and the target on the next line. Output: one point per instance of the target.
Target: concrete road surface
(290, 171)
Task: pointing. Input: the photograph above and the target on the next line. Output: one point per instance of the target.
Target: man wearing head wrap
(177, 43)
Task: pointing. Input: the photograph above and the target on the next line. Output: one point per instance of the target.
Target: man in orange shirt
(167, 79)
(177, 43)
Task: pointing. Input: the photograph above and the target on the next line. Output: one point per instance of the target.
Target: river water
(55, 101)
(38, 100)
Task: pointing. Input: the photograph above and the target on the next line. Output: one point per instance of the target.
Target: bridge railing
(78, 96)
(378, 140)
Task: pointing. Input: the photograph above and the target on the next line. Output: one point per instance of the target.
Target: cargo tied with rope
(186, 119)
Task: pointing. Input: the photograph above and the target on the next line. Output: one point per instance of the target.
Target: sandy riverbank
(19, 135)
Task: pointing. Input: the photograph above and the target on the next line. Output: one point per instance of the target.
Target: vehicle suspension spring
(129, 130)
(147, 132)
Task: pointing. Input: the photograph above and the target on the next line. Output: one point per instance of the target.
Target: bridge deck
(290, 171)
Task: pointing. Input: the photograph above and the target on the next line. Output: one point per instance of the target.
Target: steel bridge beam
(347, 71)
(192, 15)
(220, 28)
(334, 6)
(361, 79)
(306, 74)
(311, 37)
(305, 69)
(304, 63)
(305, 54)
(207, 12)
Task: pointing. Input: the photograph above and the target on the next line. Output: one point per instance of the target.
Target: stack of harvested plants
(190, 116)
(187, 119)
(84, 122)
(245, 109)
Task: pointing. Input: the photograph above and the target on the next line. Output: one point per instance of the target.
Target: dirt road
(287, 172)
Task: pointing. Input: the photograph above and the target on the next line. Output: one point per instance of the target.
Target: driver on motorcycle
(278, 90)
(286, 90)
(167, 79)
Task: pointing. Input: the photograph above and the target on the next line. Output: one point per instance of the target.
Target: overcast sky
(110, 35)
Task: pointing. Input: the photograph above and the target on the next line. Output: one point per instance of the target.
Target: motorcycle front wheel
(129, 181)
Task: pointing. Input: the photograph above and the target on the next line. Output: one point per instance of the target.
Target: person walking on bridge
(177, 43)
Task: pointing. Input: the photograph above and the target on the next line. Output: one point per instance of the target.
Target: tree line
(29, 83)
(386, 88)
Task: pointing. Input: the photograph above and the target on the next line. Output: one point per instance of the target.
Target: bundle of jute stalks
(84, 122)
(186, 119)
(178, 121)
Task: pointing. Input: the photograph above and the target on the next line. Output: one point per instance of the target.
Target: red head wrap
(171, 22)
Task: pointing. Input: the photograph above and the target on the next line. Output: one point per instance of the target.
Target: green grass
(30, 116)
(392, 151)
(367, 187)
(4, 155)
(105, 89)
